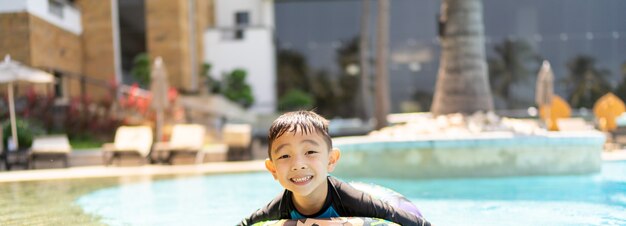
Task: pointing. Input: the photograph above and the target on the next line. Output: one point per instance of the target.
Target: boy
(300, 158)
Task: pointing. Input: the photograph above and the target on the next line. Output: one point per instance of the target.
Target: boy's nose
(298, 167)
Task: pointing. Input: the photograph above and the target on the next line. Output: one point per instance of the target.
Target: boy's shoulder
(346, 195)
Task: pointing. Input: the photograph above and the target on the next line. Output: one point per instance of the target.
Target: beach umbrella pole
(12, 115)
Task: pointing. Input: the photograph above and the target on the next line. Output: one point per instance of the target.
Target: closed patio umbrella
(545, 87)
(159, 87)
(12, 72)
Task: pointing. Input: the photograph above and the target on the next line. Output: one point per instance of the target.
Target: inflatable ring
(387, 195)
(360, 221)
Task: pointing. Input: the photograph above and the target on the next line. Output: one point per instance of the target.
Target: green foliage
(586, 82)
(334, 95)
(515, 61)
(212, 84)
(620, 90)
(85, 142)
(425, 99)
(348, 86)
(25, 132)
(296, 99)
(325, 91)
(292, 71)
(236, 89)
(141, 69)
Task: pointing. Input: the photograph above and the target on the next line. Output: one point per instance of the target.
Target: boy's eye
(311, 152)
(283, 156)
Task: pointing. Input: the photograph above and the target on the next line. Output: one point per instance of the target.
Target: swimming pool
(225, 199)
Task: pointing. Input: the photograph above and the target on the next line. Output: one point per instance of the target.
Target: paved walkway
(617, 155)
(146, 170)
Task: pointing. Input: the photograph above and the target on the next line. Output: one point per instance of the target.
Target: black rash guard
(343, 200)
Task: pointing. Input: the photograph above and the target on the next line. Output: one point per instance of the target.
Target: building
(90, 44)
(243, 37)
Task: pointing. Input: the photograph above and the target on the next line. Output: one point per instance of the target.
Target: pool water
(598, 199)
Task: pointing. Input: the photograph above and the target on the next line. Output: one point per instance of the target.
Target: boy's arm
(359, 204)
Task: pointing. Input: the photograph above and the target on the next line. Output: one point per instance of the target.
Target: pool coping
(161, 170)
(120, 171)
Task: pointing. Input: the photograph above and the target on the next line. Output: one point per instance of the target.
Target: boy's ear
(269, 165)
(333, 158)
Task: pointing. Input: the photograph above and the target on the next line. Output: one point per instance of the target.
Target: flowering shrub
(88, 118)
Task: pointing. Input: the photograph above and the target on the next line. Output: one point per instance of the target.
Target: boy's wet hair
(305, 122)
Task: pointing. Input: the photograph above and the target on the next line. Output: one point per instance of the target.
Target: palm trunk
(462, 81)
(364, 52)
(382, 82)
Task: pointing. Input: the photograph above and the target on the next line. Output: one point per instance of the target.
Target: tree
(364, 62)
(509, 67)
(236, 88)
(292, 72)
(462, 81)
(325, 92)
(348, 79)
(620, 90)
(141, 69)
(585, 82)
(382, 52)
(296, 99)
(213, 86)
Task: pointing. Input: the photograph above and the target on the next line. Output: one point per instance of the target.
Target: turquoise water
(224, 199)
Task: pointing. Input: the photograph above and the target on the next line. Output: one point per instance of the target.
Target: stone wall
(15, 36)
(97, 41)
(37, 43)
(169, 33)
(497, 154)
(168, 36)
(53, 47)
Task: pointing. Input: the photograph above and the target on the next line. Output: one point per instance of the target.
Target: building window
(55, 7)
(242, 19)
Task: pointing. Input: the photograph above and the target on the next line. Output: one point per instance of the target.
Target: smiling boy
(300, 157)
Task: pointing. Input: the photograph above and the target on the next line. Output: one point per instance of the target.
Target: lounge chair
(573, 124)
(185, 139)
(49, 147)
(238, 137)
(129, 140)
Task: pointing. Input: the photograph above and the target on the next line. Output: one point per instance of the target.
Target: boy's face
(301, 162)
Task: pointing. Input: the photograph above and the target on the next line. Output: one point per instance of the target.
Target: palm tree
(510, 67)
(364, 61)
(382, 80)
(462, 82)
(620, 90)
(585, 82)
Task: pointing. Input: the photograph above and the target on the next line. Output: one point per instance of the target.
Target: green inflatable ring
(356, 221)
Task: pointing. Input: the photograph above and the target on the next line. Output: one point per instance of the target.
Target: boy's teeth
(301, 179)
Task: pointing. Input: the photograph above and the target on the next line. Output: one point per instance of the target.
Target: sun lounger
(185, 139)
(238, 137)
(129, 140)
(47, 147)
(573, 124)
(216, 152)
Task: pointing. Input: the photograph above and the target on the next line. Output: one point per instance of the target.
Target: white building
(243, 37)
(58, 13)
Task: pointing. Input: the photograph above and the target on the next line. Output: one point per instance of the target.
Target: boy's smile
(301, 162)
